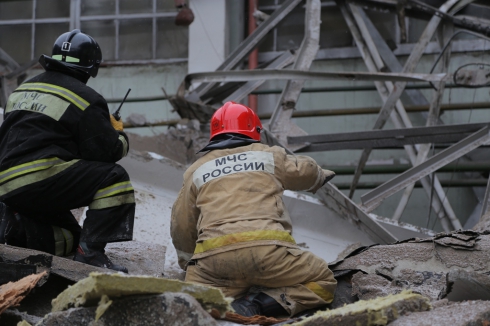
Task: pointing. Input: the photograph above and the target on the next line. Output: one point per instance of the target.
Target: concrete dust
(140, 258)
(180, 143)
(454, 314)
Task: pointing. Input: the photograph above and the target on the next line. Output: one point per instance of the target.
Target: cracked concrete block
(67, 268)
(91, 289)
(429, 284)
(463, 285)
(165, 309)
(12, 293)
(380, 311)
(469, 313)
(140, 258)
(423, 256)
(372, 286)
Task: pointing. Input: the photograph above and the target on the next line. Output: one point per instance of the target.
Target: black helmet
(78, 51)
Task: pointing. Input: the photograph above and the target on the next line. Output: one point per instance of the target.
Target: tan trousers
(297, 279)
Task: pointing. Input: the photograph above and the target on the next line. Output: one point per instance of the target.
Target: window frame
(75, 20)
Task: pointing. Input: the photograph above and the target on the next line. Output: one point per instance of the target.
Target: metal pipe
(375, 110)
(253, 57)
(344, 89)
(312, 113)
(444, 183)
(481, 166)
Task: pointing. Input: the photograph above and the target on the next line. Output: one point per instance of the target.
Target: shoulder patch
(252, 161)
(43, 103)
(56, 90)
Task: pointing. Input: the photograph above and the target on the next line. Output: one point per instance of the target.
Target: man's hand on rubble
(117, 124)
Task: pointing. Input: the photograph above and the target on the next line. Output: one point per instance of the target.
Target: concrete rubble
(410, 282)
(165, 309)
(380, 311)
(94, 287)
(455, 314)
(404, 283)
(180, 143)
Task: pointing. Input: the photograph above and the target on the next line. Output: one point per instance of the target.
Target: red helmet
(235, 118)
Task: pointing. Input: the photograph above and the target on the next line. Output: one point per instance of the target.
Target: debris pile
(180, 143)
(412, 282)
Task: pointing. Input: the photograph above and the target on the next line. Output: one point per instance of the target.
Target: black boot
(93, 253)
(258, 304)
(245, 306)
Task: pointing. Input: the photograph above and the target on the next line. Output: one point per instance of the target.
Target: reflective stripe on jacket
(31, 172)
(232, 198)
(55, 116)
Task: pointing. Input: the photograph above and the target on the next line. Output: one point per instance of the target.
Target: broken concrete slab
(420, 265)
(164, 309)
(140, 258)
(12, 293)
(372, 286)
(63, 267)
(423, 256)
(463, 285)
(17, 269)
(454, 314)
(380, 311)
(429, 284)
(89, 291)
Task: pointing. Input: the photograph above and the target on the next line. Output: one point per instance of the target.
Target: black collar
(228, 141)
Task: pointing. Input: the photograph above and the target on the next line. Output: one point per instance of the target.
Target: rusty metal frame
(280, 62)
(399, 117)
(485, 210)
(392, 138)
(410, 65)
(374, 198)
(288, 74)
(334, 199)
(280, 123)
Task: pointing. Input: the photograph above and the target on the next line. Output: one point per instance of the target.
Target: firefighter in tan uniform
(230, 227)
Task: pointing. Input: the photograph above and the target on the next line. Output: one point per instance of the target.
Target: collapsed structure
(444, 269)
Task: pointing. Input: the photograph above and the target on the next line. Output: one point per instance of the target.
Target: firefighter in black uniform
(58, 148)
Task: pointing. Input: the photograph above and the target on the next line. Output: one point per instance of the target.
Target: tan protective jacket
(232, 198)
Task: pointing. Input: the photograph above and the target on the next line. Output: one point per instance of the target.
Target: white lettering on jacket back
(236, 163)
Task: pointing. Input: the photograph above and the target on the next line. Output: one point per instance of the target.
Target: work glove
(117, 124)
(329, 175)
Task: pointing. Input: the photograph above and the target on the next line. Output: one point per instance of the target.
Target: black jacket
(56, 115)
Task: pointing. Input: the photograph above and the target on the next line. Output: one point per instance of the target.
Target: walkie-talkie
(116, 114)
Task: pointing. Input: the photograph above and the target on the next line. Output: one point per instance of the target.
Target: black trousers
(104, 187)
